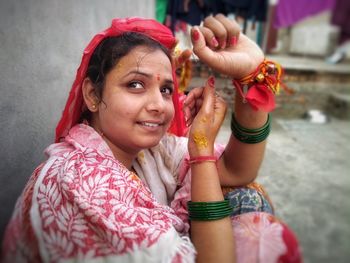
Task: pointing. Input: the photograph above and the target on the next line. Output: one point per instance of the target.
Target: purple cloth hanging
(340, 18)
(288, 12)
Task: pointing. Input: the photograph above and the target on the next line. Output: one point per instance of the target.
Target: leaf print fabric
(88, 205)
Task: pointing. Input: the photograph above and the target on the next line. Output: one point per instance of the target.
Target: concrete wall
(41, 44)
(313, 36)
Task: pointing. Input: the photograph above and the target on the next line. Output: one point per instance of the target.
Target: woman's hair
(107, 55)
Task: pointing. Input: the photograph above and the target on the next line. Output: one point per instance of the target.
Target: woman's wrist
(246, 115)
(258, 89)
(251, 67)
(251, 120)
(194, 153)
(202, 147)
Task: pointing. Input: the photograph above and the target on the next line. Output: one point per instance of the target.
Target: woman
(117, 187)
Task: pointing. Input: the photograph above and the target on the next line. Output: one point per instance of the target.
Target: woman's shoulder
(58, 149)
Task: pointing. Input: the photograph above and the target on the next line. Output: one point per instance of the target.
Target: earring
(93, 106)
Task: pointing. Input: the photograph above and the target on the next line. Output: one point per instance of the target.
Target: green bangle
(250, 136)
(251, 139)
(246, 138)
(208, 204)
(210, 216)
(201, 214)
(206, 211)
(246, 130)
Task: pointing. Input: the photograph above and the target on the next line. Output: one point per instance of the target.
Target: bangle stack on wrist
(207, 211)
(250, 136)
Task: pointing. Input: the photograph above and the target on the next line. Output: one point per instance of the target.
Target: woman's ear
(89, 95)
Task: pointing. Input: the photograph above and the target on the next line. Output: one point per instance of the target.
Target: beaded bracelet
(207, 211)
(260, 87)
(250, 136)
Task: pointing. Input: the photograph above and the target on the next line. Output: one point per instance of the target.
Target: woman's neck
(122, 156)
(125, 157)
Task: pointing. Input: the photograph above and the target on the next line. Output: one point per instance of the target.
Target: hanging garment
(340, 18)
(289, 12)
(255, 10)
(191, 12)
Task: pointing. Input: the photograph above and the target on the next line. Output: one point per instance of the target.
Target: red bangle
(200, 159)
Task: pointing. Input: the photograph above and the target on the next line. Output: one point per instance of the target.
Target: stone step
(311, 64)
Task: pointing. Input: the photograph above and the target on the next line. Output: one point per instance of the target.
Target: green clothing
(161, 8)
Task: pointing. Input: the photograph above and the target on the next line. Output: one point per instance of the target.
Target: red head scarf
(148, 27)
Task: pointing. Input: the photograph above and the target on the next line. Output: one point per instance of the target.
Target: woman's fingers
(213, 107)
(199, 103)
(208, 104)
(203, 112)
(218, 30)
(240, 56)
(209, 118)
(210, 37)
(220, 111)
(200, 47)
(191, 111)
(193, 95)
(192, 104)
(232, 28)
(182, 57)
(204, 102)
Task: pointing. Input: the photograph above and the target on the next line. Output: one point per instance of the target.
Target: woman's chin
(150, 144)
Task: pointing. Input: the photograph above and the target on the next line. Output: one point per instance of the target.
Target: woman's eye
(135, 85)
(167, 90)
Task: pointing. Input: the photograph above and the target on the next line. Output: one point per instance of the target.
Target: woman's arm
(240, 161)
(235, 56)
(214, 240)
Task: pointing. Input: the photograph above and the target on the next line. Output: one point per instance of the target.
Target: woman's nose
(156, 102)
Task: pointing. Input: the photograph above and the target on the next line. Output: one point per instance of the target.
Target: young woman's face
(136, 107)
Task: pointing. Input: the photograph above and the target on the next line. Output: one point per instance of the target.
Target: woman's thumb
(198, 40)
(209, 96)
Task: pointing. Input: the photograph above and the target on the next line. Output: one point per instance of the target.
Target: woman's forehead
(146, 58)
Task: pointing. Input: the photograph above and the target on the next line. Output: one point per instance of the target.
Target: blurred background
(305, 171)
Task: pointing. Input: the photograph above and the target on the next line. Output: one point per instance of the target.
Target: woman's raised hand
(207, 122)
(220, 45)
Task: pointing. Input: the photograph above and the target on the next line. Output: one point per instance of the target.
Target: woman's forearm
(241, 161)
(213, 240)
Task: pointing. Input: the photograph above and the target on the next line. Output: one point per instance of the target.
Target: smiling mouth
(150, 124)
